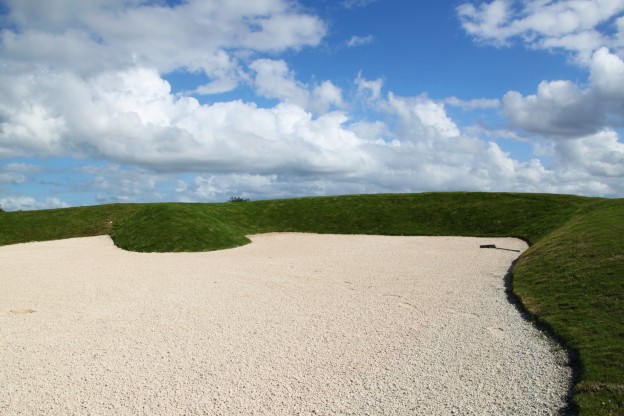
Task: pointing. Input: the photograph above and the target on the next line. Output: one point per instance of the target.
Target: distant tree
(238, 199)
(1, 209)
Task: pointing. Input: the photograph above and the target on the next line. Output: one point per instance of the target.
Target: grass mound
(175, 228)
(571, 279)
(57, 224)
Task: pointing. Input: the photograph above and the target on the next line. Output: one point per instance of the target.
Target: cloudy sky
(200, 100)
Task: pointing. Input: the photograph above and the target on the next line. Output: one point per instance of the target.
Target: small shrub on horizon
(238, 199)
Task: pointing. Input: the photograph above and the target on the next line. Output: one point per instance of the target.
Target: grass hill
(571, 279)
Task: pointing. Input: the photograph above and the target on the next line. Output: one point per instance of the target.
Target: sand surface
(289, 324)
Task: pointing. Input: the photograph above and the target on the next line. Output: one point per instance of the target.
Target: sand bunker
(290, 324)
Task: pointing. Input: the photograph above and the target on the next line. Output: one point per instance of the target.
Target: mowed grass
(571, 279)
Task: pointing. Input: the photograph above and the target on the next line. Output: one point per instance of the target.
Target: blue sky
(131, 100)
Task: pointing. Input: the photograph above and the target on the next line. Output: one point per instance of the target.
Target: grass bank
(571, 279)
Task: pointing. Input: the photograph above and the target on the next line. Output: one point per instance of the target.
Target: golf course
(570, 281)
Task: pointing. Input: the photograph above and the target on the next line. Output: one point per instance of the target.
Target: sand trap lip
(290, 324)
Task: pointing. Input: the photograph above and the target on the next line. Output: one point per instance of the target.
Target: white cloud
(85, 80)
(325, 96)
(599, 155)
(558, 108)
(573, 126)
(566, 24)
(16, 173)
(217, 86)
(487, 21)
(563, 116)
(12, 177)
(123, 182)
(205, 188)
(474, 104)
(27, 122)
(371, 89)
(196, 35)
(607, 74)
(562, 108)
(26, 203)
(132, 119)
(21, 168)
(284, 31)
(352, 4)
(222, 187)
(273, 79)
(421, 117)
(359, 40)
(130, 183)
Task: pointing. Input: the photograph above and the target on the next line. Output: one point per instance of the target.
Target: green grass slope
(56, 224)
(571, 278)
(200, 227)
(177, 227)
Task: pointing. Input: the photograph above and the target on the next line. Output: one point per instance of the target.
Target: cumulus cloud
(273, 79)
(607, 74)
(565, 24)
(421, 117)
(576, 127)
(592, 31)
(558, 108)
(131, 118)
(325, 96)
(87, 82)
(598, 155)
(563, 109)
(196, 35)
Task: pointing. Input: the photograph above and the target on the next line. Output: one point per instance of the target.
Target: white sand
(290, 324)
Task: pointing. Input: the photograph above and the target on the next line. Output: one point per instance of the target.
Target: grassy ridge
(56, 224)
(177, 227)
(571, 278)
(200, 227)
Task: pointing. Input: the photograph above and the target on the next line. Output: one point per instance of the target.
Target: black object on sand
(498, 248)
